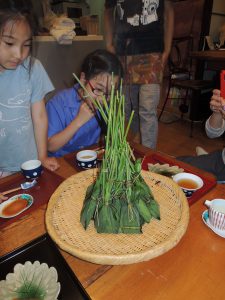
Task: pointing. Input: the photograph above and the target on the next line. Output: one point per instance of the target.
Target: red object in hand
(222, 84)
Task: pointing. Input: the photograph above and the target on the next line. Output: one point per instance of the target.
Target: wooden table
(194, 269)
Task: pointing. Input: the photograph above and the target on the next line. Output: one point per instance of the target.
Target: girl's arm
(58, 140)
(109, 28)
(168, 30)
(40, 124)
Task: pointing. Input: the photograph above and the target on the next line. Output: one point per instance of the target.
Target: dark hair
(101, 61)
(18, 10)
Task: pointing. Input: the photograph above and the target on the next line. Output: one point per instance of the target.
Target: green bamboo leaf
(143, 210)
(89, 191)
(154, 209)
(116, 209)
(129, 219)
(137, 166)
(87, 212)
(106, 223)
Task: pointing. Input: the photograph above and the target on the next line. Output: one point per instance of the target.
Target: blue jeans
(143, 99)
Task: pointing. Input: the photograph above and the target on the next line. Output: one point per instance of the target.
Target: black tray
(43, 249)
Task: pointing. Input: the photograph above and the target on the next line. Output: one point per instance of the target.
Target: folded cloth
(62, 29)
(63, 36)
(65, 42)
(63, 22)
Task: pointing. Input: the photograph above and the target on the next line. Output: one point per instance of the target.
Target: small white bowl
(188, 182)
(87, 159)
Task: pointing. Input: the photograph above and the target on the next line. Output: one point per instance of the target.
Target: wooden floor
(174, 139)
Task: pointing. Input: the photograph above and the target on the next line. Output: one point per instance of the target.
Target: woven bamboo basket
(63, 223)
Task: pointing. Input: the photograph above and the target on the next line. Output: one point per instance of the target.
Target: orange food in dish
(14, 207)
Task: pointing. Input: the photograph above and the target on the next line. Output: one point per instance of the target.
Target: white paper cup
(216, 213)
(188, 182)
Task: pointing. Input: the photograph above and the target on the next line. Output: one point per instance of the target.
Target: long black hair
(101, 61)
(18, 10)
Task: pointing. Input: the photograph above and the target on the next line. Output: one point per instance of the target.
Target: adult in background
(141, 35)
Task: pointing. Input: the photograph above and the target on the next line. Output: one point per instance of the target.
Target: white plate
(26, 197)
(36, 280)
(205, 218)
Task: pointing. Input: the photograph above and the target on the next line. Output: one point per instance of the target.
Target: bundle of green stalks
(119, 201)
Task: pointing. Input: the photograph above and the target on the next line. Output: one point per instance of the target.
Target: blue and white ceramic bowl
(188, 182)
(31, 169)
(87, 159)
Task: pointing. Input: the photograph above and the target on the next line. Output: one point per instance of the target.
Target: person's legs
(148, 101)
(211, 162)
(132, 103)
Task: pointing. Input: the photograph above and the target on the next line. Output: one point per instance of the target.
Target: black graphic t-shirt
(139, 26)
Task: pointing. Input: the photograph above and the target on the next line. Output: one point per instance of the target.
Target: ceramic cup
(188, 182)
(86, 159)
(31, 169)
(216, 213)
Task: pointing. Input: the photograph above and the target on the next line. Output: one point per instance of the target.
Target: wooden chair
(181, 77)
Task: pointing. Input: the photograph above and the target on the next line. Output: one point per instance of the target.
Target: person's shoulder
(36, 64)
(34, 67)
(65, 97)
(31, 61)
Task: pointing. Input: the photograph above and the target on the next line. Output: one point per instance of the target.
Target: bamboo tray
(63, 223)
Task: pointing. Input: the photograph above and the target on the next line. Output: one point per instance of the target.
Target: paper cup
(216, 213)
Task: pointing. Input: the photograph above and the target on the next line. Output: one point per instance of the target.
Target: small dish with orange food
(15, 205)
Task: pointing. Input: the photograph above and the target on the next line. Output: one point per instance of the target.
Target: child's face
(101, 85)
(15, 44)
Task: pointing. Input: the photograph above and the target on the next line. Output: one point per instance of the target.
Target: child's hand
(85, 113)
(50, 163)
(2, 198)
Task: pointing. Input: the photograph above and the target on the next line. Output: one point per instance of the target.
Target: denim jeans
(143, 99)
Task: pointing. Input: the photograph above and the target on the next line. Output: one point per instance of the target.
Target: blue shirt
(61, 110)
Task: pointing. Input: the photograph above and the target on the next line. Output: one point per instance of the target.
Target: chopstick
(99, 149)
(10, 191)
